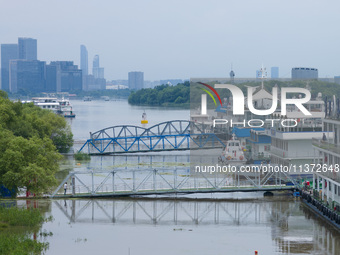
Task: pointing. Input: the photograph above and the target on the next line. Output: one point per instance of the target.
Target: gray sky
(181, 38)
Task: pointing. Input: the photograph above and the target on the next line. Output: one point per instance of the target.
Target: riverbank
(331, 216)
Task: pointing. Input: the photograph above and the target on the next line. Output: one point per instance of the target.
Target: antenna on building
(263, 75)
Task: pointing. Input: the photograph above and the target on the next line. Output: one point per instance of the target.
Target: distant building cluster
(96, 80)
(21, 71)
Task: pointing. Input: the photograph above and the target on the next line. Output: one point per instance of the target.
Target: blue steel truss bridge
(166, 136)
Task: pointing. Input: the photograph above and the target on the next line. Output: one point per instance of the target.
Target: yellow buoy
(144, 120)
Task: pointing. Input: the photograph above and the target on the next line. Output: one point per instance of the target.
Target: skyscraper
(8, 52)
(274, 72)
(27, 48)
(136, 80)
(26, 75)
(97, 71)
(65, 77)
(96, 61)
(84, 60)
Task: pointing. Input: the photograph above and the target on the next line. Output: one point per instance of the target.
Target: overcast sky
(181, 38)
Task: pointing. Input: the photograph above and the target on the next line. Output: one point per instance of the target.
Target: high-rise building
(96, 61)
(97, 71)
(8, 52)
(136, 80)
(27, 48)
(304, 73)
(84, 60)
(64, 77)
(26, 75)
(53, 78)
(274, 72)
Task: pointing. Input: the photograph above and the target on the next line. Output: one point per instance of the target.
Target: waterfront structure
(27, 48)
(259, 144)
(274, 72)
(304, 73)
(26, 75)
(293, 145)
(136, 80)
(8, 52)
(327, 153)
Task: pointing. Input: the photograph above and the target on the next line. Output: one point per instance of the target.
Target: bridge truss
(165, 136)
(123, 182)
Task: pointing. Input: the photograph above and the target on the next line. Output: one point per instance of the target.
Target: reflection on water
(278, 225)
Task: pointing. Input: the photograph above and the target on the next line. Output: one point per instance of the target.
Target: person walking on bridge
(65, 188)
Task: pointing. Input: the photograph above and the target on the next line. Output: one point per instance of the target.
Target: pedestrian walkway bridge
(165, 136)
(140, 182)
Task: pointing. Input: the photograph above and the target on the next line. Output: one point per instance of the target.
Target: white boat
(233, 153)
(49, 103)
(62, 107)
(65, 108)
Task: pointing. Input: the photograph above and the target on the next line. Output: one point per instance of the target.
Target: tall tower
(97, 71)
(27, 48)
(232, 75)
(84, 60)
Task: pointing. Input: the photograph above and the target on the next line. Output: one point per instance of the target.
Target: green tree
(29, 163)
(30, 139)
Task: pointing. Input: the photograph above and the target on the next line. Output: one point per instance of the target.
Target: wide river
(215, 224)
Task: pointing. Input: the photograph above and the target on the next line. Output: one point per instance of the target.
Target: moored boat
(233, 153)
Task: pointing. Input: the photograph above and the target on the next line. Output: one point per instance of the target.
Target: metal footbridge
(141, 182)
(165, 136)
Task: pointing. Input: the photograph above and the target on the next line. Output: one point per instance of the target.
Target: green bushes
(81, 156)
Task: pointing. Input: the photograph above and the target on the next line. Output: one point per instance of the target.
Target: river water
(236, 223)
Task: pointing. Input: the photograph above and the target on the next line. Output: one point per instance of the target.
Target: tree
(29, 163)
(30, 139)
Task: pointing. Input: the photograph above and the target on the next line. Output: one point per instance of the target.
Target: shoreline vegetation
(182, 94)
(17, 226)
(163, 95)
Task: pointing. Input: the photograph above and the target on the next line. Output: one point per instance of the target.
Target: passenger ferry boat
(62, 107)
(233, 153)
(65, 108)
(49, 103)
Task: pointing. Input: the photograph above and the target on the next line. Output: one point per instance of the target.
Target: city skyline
(181, 39)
